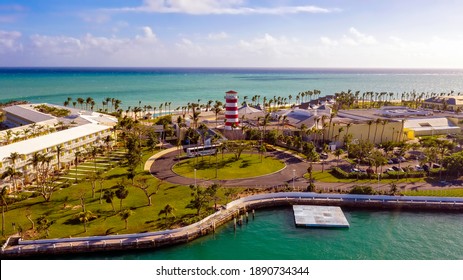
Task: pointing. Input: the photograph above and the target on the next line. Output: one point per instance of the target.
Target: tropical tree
(142, 185)
(167, 210)
(201, 197)
(77, 155)
(125, 215)
(59, 149)
(121, 193)
(84, 217)
(109, 197)
(13, 157)
(338, 153)
(4, 200)
(311, 156)
(237, 147)
(13, 175)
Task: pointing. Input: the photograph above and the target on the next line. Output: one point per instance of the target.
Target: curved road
(162, 169)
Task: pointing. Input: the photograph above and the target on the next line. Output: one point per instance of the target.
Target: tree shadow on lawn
(116, 176)
(203, 164)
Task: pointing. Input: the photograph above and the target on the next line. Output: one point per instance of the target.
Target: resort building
(77, 132)
(446, 103)
(393, 123)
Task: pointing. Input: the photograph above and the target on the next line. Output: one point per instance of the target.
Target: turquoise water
(373, 235)
(180, 86)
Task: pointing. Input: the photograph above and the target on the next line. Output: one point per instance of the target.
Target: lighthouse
(231, 109)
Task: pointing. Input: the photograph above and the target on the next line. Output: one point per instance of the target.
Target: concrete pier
(319, 216)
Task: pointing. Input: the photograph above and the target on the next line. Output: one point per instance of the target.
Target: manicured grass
(444, 192)
(65, 204)
(249, 165)
(327, 177)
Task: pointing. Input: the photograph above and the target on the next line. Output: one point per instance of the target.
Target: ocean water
(272, 235)
(153, 86)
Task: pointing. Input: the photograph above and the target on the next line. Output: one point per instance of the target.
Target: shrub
(362, 190)
(401, 175)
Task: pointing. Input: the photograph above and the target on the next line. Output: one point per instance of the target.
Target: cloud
(217, 36)
(353, 38)
(89, 45)
(217, 7)
(328, 42)
(11, 13)
(359, 38)
(10, 41)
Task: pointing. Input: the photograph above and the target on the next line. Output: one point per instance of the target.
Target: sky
(232, 33)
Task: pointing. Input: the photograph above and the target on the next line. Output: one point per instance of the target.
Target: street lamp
(195, 177)
(294, 175)
(378, 180)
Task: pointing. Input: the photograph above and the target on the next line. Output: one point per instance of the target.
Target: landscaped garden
(145, 203)
(228, 167)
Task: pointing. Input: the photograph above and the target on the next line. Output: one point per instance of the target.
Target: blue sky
(232, 33)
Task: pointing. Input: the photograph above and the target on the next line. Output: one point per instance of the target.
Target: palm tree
(338, 153)
(4, 201)
(77, 154)
(88, 101)
(377, 121)
(369, 123)
(80, 101)
(384, 123)
(84, 217)
(121, 193)
(167, 210)
(217, 109)
(13, 157)
(125, 215)
(108, 196)
(59, 149)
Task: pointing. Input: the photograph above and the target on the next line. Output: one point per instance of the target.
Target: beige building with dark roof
(447, 103)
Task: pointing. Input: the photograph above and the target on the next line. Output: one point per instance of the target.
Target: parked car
(435, 165)
(323, 155)
(396, 168)
(419, 168)
(354, 170)
(390, 169)
(402, 159)
(395, 160)
(389, 161)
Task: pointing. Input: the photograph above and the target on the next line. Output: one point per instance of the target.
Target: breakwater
(17, 248)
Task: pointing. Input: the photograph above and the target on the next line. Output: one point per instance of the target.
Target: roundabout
(285, 168)
(227, 167)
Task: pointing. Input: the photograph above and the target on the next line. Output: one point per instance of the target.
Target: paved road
(162, 169)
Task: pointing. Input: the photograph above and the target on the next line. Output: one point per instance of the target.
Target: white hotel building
(86, 129)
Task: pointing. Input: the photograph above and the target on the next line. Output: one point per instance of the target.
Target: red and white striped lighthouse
(231, 109)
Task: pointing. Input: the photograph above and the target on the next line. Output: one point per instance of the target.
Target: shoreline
(17, 248)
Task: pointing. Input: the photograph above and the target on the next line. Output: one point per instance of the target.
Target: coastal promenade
(237, 211)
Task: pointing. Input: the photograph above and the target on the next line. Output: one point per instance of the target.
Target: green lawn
(443, 192)
(249, 165)
(65, 204)
(327, 177)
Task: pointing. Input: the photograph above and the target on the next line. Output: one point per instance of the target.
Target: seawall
(18, 248)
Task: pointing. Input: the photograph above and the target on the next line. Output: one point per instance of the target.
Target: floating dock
(319, 216)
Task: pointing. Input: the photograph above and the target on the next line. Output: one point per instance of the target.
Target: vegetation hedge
(341, 174)
(401, 175)
(362, 190)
